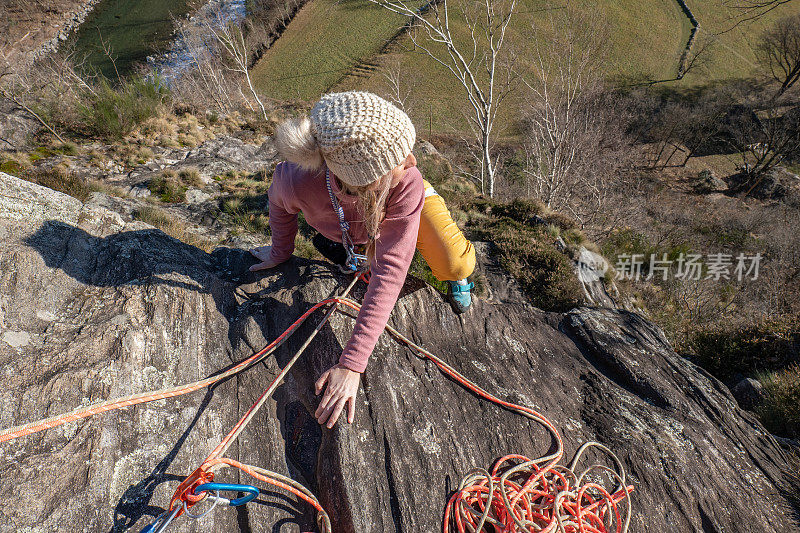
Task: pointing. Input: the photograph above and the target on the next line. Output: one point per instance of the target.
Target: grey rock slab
(224, 153)
(424, 147)
(134, 310)
(748, 392)
(592, 271)
(26, 201)
(196, 196)
(17, 126)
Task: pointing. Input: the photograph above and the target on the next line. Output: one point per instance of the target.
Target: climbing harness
(518, 495)
(355, 261)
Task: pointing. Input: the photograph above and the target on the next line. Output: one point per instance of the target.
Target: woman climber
(348, 167)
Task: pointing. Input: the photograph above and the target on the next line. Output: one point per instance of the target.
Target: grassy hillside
(733, 54)
(327, 39)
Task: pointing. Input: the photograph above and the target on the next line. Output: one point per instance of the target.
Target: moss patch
(526, 251)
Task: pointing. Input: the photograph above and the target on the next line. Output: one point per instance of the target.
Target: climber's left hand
(340, 392)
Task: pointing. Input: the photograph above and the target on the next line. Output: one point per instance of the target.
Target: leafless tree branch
(486, 22)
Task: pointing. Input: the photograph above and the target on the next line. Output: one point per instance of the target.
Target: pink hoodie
(294, 189)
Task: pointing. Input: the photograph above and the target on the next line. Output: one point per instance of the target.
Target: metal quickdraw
(355, 261)
(160, 524)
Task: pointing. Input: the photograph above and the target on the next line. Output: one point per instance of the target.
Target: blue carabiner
(253, 491)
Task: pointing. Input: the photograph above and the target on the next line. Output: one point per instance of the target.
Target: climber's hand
(263, 254)
(341, 390)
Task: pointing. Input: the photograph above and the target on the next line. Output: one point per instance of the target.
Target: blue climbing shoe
(459, 296)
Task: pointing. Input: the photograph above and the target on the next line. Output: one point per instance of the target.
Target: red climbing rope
(519, 494)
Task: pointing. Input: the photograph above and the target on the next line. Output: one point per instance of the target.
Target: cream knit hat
(358, 134)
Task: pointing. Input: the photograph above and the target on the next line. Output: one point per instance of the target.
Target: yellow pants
(449, 254)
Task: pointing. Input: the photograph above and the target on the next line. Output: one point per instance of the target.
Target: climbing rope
(170, 392)
(518, 495)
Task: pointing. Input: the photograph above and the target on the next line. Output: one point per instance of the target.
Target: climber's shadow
(151, 257)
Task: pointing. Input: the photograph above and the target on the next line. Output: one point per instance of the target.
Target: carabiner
(160, 524)
(253, 492)
(356, 261)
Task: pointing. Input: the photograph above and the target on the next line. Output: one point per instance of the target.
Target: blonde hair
(371, 206)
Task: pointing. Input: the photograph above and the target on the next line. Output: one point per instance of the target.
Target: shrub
(153, 216)
(303, 247)
(112, 112)
(545, 274)
(727, 235)
(573, 236)
(630, 242)
(167, 188)
(247, 212)
(190, 176)
(68, 148)
(561, 220)
(60, 178)
(420, 269)
(435, 169)
(156, 126)
(520, 209)
(778, 410)
(768, 345)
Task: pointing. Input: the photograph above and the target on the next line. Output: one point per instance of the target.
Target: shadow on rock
(254, 316)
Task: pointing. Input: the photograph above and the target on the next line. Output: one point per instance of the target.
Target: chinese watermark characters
(688, 266)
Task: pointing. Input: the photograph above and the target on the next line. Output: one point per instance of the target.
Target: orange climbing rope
(532, 495)
(171, 392)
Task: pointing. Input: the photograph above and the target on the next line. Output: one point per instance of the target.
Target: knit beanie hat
(358, 134)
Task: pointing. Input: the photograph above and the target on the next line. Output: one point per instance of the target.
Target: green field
(324, 41)
(327, 39)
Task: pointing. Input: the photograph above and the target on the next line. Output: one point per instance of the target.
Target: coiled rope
(531, 495)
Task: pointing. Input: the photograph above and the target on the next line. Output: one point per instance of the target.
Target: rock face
(748, 392)
(16, 126)
(99, 308)
(23, 200)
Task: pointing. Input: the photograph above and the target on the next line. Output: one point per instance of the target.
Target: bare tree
(398, 86)
(231, 39)
(573, 136)
(779, 51)
(206, 80)
(218, 56)
(486, 22)
(762, 142)
(747, 10)
(686, 127)
(56, 75)
(697, 57)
